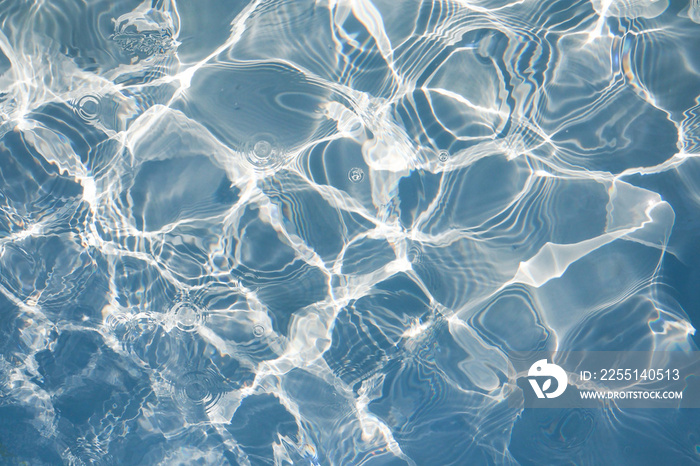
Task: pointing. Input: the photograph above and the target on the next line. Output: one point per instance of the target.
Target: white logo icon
(544, 369)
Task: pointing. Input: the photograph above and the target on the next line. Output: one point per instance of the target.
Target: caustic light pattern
(313, 232)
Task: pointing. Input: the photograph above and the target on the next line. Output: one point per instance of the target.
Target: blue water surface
(312, 232)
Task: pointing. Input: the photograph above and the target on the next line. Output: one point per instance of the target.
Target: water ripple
(313, 232)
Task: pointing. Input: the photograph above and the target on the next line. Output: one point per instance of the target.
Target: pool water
(291, 232)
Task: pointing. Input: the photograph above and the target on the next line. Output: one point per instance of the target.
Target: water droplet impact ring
(88, 107)
(356, 175)
(200, 387)
(188, 316)
(263, 152)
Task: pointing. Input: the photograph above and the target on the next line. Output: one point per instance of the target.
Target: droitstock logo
(542, 369)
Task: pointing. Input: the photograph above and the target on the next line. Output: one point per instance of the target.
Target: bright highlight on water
(315, 232)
